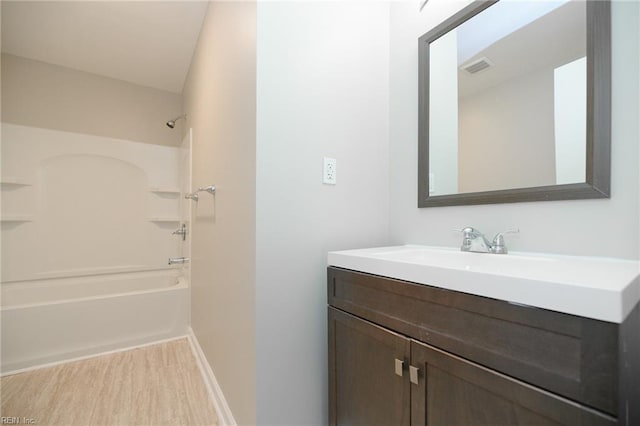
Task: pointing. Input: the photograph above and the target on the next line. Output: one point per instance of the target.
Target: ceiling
(498, 21)
(550, 41)
(149, 43)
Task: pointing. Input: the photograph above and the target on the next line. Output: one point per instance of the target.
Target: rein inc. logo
(17, 421)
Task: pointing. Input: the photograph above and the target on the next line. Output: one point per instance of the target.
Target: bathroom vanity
(422, 351)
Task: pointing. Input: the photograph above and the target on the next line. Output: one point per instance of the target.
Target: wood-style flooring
(154, 385)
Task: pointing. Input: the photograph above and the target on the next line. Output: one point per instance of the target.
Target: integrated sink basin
(593, 287)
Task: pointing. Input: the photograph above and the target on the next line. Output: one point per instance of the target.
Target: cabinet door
(454, 391)
(366, 383)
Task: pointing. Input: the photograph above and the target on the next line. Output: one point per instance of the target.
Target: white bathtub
(55, 320)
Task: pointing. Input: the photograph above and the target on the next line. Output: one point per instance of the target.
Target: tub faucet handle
(181, 231)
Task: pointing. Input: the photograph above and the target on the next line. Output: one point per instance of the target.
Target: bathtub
(56, 320)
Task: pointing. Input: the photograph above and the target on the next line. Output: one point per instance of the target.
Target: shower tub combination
(57, 320)
(80, 279)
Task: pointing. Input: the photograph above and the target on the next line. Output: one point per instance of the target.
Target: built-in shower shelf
(164, 219)
(11, 181)
(16, 218)
(165, 190)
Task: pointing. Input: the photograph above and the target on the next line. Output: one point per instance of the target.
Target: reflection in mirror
(510, 102)
(506, 100)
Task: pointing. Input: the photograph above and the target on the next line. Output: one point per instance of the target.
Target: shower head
(172, 123)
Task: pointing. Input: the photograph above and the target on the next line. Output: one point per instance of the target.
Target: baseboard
(225, 417)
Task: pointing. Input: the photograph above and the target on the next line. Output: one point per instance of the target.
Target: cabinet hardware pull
(413, 374)
(399, 368)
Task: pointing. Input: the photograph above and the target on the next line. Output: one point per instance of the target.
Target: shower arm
(211, 189)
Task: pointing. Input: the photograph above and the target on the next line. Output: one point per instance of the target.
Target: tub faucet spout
(178, 260)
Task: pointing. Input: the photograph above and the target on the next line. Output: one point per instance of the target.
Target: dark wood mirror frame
(598, 143)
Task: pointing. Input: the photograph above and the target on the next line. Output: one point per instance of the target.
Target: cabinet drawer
(571, 356)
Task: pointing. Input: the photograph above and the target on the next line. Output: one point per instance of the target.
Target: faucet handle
(508, 231)
(467, 231)
(498, 246)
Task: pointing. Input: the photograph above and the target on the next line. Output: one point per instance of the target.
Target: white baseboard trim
(225, 417)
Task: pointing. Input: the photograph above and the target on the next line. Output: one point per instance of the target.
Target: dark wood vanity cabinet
(408, 354)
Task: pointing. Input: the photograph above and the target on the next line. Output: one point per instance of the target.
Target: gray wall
(608, 227)
(39, 94)
(322, 91)
(220, 102)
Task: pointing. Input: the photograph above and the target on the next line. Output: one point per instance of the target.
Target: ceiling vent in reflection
(477, 65)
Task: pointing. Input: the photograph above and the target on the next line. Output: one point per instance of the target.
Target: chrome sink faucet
(474, 241)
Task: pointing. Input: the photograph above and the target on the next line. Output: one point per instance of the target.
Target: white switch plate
(329, 171)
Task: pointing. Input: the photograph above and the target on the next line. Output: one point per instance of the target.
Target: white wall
(43, 95)
(322, 91)
(607, 227)
(220, 102)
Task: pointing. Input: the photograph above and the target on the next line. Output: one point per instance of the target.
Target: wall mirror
(515, 104)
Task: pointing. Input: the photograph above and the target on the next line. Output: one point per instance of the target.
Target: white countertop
(594, 287)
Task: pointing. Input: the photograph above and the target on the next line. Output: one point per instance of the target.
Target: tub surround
(86, 234)
(112, 203)
(598, 288)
